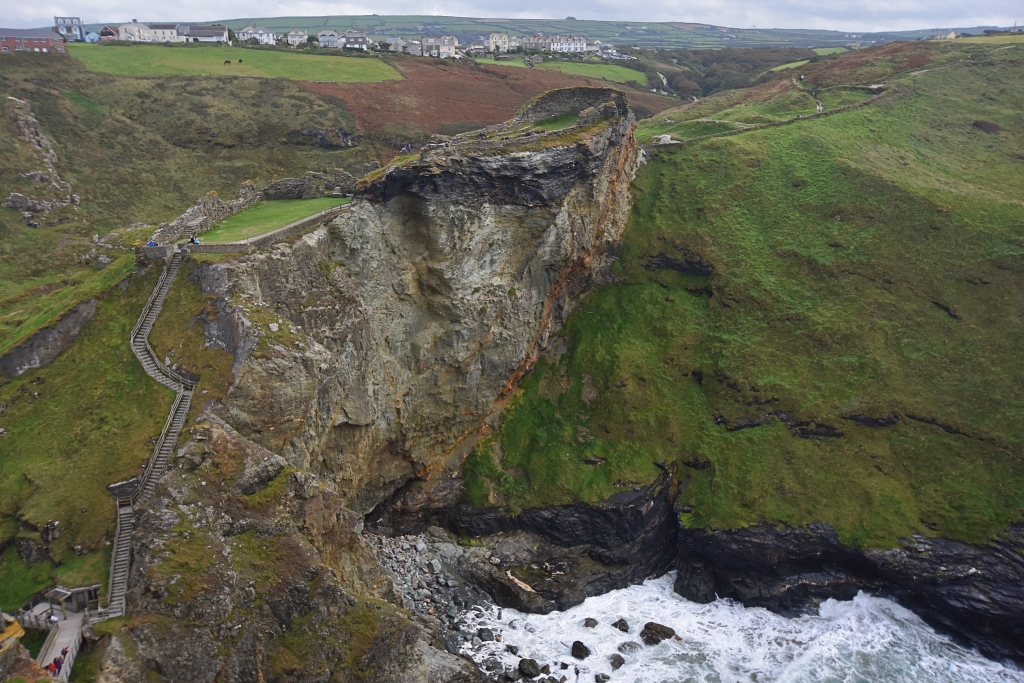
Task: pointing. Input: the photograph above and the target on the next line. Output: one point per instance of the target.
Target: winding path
(183, 386)
(67, 632)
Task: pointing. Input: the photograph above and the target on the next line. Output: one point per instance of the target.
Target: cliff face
(367, 351)
(246, 570)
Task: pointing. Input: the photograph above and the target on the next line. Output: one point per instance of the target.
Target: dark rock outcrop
(325, 138)
(547, 558)
(974, 592)
(688, 262)
(46, 344)
(310, 185)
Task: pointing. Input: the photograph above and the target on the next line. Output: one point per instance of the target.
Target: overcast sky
(843, 15)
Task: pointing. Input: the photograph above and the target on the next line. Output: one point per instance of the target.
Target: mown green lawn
(266, 216)
(865, 264)
(208, 60)
(608, 72)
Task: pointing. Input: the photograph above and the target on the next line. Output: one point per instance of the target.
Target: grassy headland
(818, 321)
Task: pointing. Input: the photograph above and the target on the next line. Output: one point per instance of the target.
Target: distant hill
(640, 34)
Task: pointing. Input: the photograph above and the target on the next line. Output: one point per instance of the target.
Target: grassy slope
(266, 216)
(607, 72)
(110, 414)
(92, 423)
(205, 60)
(137, 149)
(837, 242)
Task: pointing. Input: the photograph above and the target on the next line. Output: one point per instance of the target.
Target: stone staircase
(120, 559)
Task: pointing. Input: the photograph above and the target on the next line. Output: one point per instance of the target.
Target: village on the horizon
(73, 29)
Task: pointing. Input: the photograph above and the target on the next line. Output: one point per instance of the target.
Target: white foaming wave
(867, 639)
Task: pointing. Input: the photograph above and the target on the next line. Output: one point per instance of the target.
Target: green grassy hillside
(138, 149)
(817, 321)
(208, 60)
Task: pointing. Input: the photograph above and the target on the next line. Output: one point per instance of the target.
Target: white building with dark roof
(70, 28)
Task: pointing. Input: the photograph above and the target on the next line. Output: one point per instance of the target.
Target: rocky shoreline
(429, 572)
(553, 558)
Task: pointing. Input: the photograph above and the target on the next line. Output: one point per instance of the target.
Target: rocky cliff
(369, 350)
(367, 353)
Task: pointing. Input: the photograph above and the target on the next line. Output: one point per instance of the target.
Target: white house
(296, 37)
(498, 42)
(70, 27)
(166, 33)
(439, 46)
(207, 34)
(329, 38)
(262, 34)
(134, 32)
(556, 43)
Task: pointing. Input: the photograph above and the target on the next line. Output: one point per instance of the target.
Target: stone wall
(310, 185)
(569, 101)
(206, 213)
(264, 241)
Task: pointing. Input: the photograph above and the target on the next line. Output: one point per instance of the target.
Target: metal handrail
(168, 425)
(46, 645)
(183, 387)
(152, 298)
(113, 553)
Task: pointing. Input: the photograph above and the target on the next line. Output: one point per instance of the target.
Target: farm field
(829, 50)
(608, 72)
(161, 60)
(441, 96)
(266, 216)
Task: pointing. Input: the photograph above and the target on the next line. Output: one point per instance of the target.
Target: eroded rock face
(48, 343)
(368, 349)
(244, 570)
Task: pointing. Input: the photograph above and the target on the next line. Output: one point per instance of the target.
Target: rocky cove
(314, 525)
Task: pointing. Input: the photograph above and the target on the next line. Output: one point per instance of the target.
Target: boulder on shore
(654, 633)
(529, 668)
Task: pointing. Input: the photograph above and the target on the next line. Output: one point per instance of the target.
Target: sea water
(867, 639)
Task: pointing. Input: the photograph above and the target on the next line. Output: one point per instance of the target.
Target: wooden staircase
(120, 559)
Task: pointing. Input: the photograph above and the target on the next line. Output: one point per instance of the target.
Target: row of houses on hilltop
(71, 29)
(353, 39)
(494, 43)
(136, 32)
